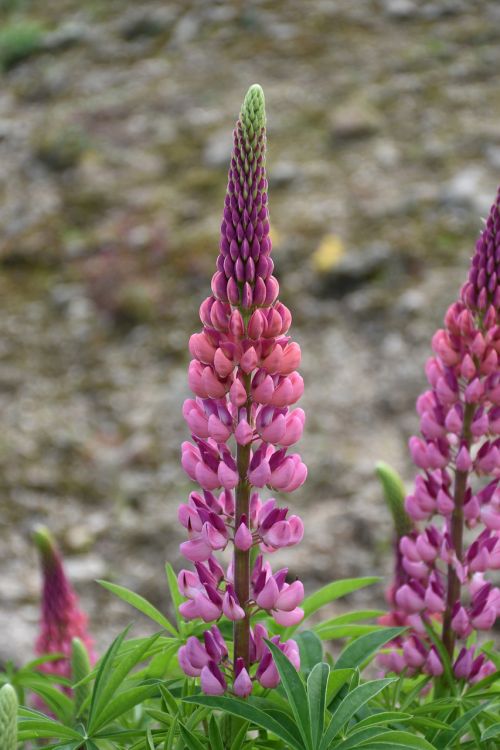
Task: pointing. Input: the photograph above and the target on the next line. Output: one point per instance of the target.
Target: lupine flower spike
(61, 618)
(456, 497)
(243, 376)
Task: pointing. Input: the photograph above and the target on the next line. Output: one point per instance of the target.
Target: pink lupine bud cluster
(457, 496)
(61, 617)
(210, 661)
(244, 380)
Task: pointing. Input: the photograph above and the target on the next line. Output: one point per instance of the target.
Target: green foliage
(18, 41)
(8, 718)
(305, 722)
(136, 697)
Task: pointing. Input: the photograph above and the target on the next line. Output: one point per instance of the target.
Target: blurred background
(115, 132)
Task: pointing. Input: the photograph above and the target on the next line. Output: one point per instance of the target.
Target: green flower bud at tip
(253, 111)
(44, 542)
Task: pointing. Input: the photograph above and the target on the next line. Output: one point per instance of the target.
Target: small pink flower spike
(61, 617)
(458, 453)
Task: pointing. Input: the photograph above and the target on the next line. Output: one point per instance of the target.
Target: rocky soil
(115, 129)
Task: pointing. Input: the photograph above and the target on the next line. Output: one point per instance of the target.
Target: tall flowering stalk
(457, 498)
(243, 375)
(61, 618)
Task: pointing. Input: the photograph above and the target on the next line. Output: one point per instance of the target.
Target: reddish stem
(457, 538)
(241, 557)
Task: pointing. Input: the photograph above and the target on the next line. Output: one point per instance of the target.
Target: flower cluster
(210, 661)
(61, 619)
(244, 379)
(457, 497)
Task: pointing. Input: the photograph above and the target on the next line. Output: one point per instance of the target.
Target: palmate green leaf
(336, 680)
(240, 737)
(214, 735)
(109, 680)
(426, 722)
(348, 619)
(392, 740)
(436, 706)
(31, 728)
(160, 716)
(160, 664)
(122, 703)
(311, 650)
(383, 717)
(157, 735)
(359, 739)
(491, 679)
(169, 700)
(191, 740)
(140, 603)
(349, 630)
(33, 665)
(104, 672)
(119, 735)
(296, 693)
(329, 593)
(364, 647)
(246, 710)
(418, 686)
(350, 705)
(493, 731)
(333, 591)
(447, 739)
(317, 683)
(58, 703)
(286, 720)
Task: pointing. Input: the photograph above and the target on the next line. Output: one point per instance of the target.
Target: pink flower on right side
(455, 504)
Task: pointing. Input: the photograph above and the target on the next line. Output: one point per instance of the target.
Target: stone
(354, 268)
(354, 120)
(468, 188)
(217, 149)
(400, 9)
(146, 22)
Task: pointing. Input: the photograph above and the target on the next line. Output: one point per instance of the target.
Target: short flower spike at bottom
(244, 380)
(61, 618)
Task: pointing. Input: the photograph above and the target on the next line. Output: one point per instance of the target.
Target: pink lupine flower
(61, 617)
(244, 380)
(459, 453)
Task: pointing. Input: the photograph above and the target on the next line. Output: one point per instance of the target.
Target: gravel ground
(115, 129)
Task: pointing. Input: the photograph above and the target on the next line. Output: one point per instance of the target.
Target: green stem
(241, 557)
(457, 537)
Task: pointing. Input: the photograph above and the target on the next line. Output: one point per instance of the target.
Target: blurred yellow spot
(328, 253)
(275, 237)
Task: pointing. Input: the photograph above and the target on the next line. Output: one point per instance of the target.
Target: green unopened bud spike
(394, 495)
(8, 718)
